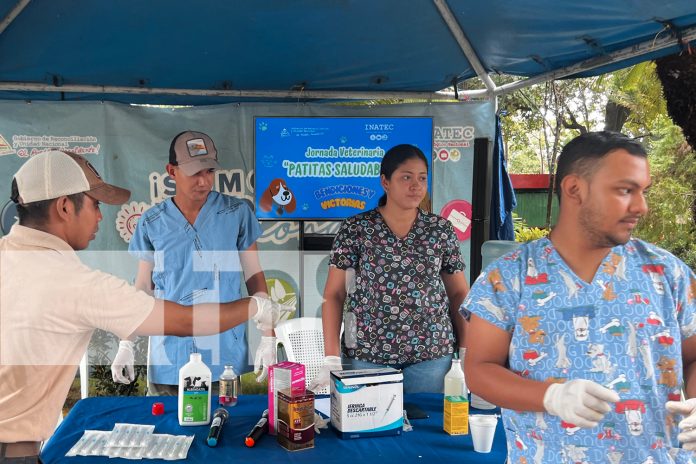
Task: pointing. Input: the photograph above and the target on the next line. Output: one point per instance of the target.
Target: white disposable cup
(482, 431)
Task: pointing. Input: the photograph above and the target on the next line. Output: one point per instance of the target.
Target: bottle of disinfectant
(194, 392)
(455, 385)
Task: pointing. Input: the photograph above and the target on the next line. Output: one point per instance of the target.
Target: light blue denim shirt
(196, 264)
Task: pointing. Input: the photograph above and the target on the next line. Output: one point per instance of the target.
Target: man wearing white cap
(567, 388)
(50, 302)
(192, 248)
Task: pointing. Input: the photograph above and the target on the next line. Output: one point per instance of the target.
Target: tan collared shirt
(50, 304)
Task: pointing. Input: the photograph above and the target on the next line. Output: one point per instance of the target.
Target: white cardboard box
(367, 402)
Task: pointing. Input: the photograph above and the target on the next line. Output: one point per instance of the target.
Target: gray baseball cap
(193, 152)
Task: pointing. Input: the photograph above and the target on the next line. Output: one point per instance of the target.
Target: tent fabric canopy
(211, 51)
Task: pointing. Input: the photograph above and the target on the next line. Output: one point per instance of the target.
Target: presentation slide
(327, 168)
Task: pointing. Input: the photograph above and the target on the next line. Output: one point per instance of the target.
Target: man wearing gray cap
(191, 249)
(51, 303)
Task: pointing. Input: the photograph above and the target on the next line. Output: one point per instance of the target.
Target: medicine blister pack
(132, 441)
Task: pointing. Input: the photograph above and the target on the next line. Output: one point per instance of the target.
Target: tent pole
(633, 51)
(288, 94)
(7, 20)
(464, 44)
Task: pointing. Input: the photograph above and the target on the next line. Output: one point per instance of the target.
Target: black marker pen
(258, 431)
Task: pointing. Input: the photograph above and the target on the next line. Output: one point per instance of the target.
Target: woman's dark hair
(583, 154)
(395, 157)
(36, 213)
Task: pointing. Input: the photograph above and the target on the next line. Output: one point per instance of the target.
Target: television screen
(323, 168)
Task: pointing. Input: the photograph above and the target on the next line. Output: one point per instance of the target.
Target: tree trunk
(677, 73)
(616, 116)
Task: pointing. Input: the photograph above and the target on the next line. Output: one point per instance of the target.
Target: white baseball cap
(52, 174)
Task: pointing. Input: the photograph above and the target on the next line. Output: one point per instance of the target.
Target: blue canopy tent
(209, 51)
(174, 52)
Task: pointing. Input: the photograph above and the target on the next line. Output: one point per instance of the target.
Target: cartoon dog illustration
(530, 324)
(646, 358)
(600, 359)
(634, 410)
(668, 375)
(496, 280)
(562, 361)
(280, 195)
(615, 267)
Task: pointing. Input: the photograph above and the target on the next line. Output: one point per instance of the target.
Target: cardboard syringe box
(281, 376)
(367, 402)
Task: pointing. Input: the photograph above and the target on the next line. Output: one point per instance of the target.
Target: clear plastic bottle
(229, 387)
(455, 384)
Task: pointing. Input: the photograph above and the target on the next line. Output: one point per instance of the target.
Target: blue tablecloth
(427, 441)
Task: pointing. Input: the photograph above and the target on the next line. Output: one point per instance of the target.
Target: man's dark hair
(172, 151)
(36, 213)
(582, 155)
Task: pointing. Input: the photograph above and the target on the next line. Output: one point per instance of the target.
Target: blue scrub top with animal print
(623, 330)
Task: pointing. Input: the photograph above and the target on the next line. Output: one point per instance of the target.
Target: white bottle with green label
(194, 392)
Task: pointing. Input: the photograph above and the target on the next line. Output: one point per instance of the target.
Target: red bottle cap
(157, 409)
(249, 442)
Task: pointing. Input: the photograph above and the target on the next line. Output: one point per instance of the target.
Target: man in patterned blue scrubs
(193, 248)
(583, 337)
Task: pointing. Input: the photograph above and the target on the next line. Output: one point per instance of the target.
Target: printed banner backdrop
(129, 146)
(327, 168)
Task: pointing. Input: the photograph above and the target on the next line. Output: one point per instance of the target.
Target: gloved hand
(269, 313)
(580, 402)
(265, 356)
(687, 426)
(331, 363)
(320, 422)
(125, 358)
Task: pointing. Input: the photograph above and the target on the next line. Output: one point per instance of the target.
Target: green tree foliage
(102, 349)
(526, 233)
(540, 119)
(670, 221)
(637, 89)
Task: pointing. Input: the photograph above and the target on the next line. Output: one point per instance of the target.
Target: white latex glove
(320, 422)
(687, 426)
(265, 356)
(580, 402)
(331, 363)
(269, 313)
(125, 358)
